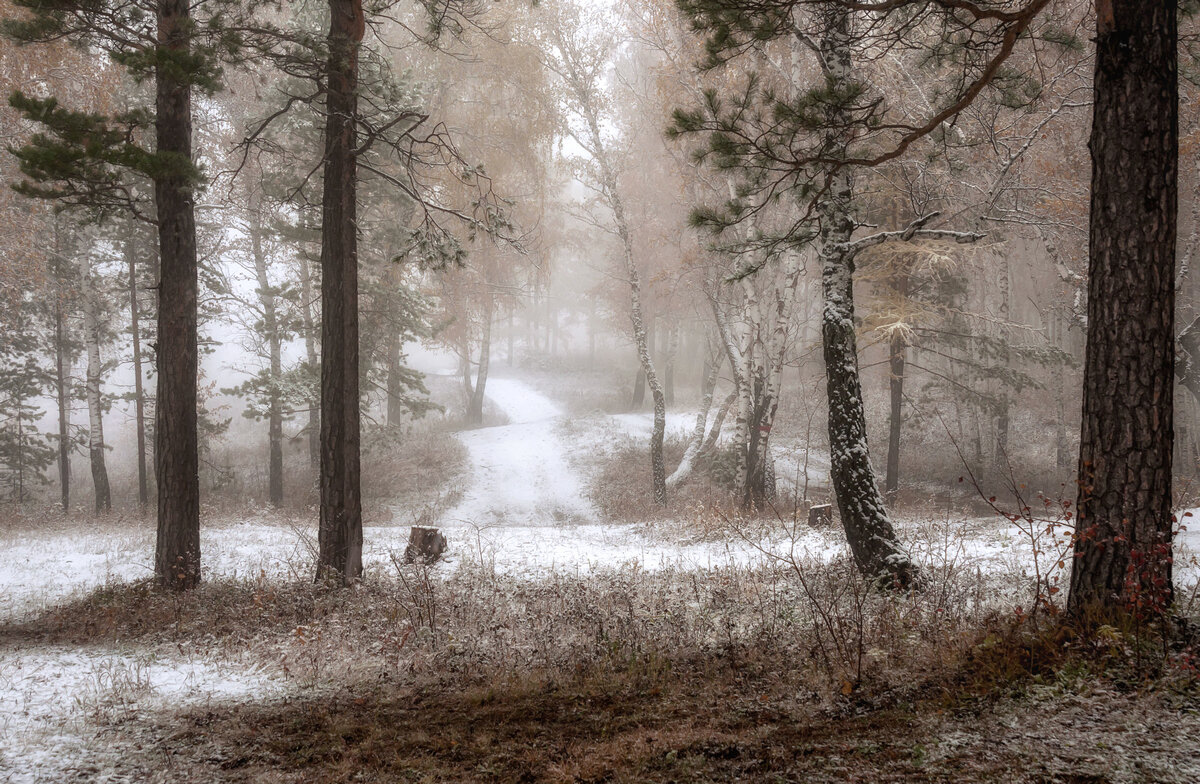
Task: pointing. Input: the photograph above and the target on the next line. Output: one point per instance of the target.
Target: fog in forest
(628, 391)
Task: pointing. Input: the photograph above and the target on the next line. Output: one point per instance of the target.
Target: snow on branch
(907, 234)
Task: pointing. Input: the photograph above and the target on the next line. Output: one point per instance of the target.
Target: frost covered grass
(790, 668)
(483, 669)
(557, 643)
(620, 486)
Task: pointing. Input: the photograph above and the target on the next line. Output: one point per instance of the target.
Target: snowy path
(519, 472)
(527, 510)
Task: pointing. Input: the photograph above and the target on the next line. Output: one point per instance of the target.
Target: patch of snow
(41, 570)
(532, 551)
(520, 402)
(55, 700)
(640, 425)
(520, 474)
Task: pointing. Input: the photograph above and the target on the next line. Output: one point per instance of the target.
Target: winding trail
(520, 473)
(527, 510)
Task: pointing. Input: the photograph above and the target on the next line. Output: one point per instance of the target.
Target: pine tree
(94, 160)
(1124, 525)
(25, 452)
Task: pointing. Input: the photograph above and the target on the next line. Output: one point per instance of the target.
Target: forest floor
(555, 645)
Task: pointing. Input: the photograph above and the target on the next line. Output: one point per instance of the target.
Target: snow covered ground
(55, 699)
(526, 511)
(519, 472)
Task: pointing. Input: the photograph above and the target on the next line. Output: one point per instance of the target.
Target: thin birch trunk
(95, 369)
(139, 392)
(268, 300)
(712, 366)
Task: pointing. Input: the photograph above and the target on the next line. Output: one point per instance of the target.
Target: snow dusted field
(525, 512)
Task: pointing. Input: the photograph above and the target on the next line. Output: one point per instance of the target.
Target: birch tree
(807, 143)
(93, 331)
(579, 45)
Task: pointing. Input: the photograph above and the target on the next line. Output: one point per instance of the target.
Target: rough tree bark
(340, 532)
(176, 457)
(864, 515)
(1124, 526)
(865, 518)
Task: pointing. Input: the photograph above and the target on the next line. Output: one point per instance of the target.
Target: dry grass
(628, 677)
(621, 489)
(421, 472)
(722, 720)
(790, 671)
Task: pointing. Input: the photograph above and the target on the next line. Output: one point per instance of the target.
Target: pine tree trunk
(534, 315)
(639, 389)
(1000, 458)
(510, 355)
(1062, 458)
(139, 392)
(395, 404)
(1124, 525)
(20, 459)
(176, 456)
(340, 533)
(91, 339)
(267, 299)
(864, 516)
(591, 333)
(669, 365)
(464, 369)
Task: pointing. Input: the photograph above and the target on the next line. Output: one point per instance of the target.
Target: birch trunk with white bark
(95, 371)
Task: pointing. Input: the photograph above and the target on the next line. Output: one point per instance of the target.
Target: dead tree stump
(820, 516)
(424, 544)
